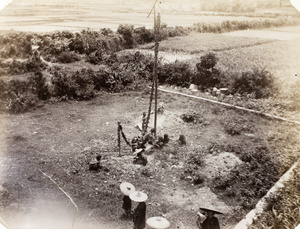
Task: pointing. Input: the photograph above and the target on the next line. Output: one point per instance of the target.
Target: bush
(127, 33)
(67, 57)
(78, 86)
(83, 84)
(76, 44)
(16, 45)
(62, 85)
(166, 31)
(207, 61)
(39, 86)
(177, 73)
(260, 83)
(142, 35)
(206, 75)
(16, 96)
(192, 168)
(95, 57)
(227, 26)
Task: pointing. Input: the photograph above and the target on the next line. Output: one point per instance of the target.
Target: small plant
(192, 168)
(233, 128)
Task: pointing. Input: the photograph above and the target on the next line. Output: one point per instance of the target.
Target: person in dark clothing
(126, 189)
(139, 216)
(140, 158)
(95, 164)
(127, 205)
(211, 222)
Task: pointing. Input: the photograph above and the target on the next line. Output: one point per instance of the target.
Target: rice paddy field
(42, 16)
(239, 52)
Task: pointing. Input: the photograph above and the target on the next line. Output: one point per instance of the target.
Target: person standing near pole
(139, 214)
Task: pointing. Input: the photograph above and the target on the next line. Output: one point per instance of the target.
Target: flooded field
(43, 18)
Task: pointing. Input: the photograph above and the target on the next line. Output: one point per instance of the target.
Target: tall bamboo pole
(155, 71)
(156, 37)
(155, 78)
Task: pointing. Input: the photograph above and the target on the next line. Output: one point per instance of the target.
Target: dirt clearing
(61, 138)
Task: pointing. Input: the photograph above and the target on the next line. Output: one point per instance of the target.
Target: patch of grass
(195, 43)
(283, 207)
(237, 125)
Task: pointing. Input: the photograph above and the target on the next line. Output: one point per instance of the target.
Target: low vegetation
(283, 207)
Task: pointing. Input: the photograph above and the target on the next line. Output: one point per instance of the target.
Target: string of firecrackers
(233, 106)
(149, 109)
(120, 131)
(70, 198)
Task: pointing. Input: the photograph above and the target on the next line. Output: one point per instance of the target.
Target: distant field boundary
(232, 106)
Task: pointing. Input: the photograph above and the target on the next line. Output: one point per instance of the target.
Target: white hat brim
(158, 222)
(138, 196)
(127, 188)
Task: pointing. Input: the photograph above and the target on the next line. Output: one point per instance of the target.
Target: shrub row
(227, 26)
(123, 73)
(105, 41)
(258, 83)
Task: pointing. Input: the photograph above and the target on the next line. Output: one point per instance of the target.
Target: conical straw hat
(127, 188)
(138, 196)
(158, 222)
(211, 209)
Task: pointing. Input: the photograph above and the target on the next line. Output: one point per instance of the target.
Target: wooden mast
(155, 78)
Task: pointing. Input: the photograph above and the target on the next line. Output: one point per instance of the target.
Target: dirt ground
(59, 139)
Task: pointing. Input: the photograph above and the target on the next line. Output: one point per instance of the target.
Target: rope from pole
(149, 108)
(120, 132)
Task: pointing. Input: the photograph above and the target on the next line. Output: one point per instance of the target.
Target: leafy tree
(127, 32)
(206, 74)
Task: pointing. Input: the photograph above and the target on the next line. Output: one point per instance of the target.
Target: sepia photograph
(150, 114)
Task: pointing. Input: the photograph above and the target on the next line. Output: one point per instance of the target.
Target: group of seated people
(139, 145)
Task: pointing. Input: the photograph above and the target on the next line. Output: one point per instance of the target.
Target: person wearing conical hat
(210, 222)
(139, 214)
(127, 189)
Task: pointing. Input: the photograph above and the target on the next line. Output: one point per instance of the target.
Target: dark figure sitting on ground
(95, 164)
(139, 158)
